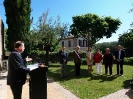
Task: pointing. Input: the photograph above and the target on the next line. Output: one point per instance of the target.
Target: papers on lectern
(33, 66)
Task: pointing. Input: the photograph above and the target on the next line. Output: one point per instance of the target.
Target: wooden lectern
(38, 83)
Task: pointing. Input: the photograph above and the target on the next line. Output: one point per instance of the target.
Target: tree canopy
(47, 33)
(126, 39)
(111, 45)
(92, 27)
(18, 21)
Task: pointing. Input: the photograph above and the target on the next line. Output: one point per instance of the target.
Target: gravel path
(55, 91)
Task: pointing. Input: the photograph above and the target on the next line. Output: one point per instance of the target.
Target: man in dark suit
(108, 61)
(77, 61)
(17, 70)
(120, 54)
(63, 61)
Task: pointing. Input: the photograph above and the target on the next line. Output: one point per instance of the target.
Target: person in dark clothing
(63, 61)
(119, 56)
(17, 70)
(77, 61)
(108, 61)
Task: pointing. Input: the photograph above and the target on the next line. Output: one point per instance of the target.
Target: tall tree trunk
(47, 58)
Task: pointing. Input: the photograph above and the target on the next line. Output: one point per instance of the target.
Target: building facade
(71, 42)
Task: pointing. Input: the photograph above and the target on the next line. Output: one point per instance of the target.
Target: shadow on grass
(70, 70)
(126, 84)
(102, 78)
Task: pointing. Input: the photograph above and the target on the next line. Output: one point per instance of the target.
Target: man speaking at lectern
(17, 70)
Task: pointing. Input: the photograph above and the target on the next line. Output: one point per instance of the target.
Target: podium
(38, 83)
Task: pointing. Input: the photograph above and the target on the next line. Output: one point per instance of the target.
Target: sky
(66, 9)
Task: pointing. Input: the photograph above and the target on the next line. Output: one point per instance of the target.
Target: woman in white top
(89, 57)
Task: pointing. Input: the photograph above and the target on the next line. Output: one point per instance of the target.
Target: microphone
(42, 61)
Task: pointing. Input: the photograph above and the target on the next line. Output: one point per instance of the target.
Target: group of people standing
(107, 59)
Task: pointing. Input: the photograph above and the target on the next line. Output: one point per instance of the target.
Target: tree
(48, 33)
(92, 28)
(102, 46)
(5, 39)
(18, 21)
(126, 39)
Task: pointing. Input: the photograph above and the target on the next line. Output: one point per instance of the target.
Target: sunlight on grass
(91, 87)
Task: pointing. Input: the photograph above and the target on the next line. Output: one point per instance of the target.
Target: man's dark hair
(18, 44)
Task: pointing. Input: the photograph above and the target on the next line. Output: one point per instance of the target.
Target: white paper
(33, 66)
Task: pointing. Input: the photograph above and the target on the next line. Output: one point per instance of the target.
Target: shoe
(121, 74)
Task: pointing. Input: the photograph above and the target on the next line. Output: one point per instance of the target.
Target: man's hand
(90, 60)
(64, 61)
(28, 59)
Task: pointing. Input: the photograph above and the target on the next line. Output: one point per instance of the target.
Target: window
(63, 44)
(84, 43)
(87, 44)
(69, 43)
(81, 43)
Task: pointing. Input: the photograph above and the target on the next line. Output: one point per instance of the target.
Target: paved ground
(55, 91)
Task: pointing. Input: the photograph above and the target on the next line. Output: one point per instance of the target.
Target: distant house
(70, 42)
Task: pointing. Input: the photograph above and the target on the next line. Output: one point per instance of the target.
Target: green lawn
(91, 87)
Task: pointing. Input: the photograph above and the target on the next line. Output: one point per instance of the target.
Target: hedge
(54, 58)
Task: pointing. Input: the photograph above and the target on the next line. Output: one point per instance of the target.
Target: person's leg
(97, 67)
(100, 68)
(110, 69)
(106, 69)
(89, 69)
(121, 68)
(64, 70)
(61, 70)
(17, 91)
(78, 69)
(117, 68)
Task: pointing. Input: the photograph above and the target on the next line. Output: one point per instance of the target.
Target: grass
(91, 87)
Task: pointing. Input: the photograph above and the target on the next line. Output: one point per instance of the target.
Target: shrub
(128, 61)
(84, 62)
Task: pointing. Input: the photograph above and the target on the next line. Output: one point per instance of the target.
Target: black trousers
(110, 68)
(119, 68)
(77, 69)
(16, 91)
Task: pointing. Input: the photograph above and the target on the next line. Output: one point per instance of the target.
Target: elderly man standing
(108, 61)
(63, 61)
(77, 61)
(119, 55)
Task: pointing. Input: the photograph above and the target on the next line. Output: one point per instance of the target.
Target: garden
(90, 87)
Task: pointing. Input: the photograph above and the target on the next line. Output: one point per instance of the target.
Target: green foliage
(18, 21)
(128, 61)
(90, 87)
(94, 27)
(102, 46)
(6, 40)
(126, 39)
(47, 34)
(84, 61)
